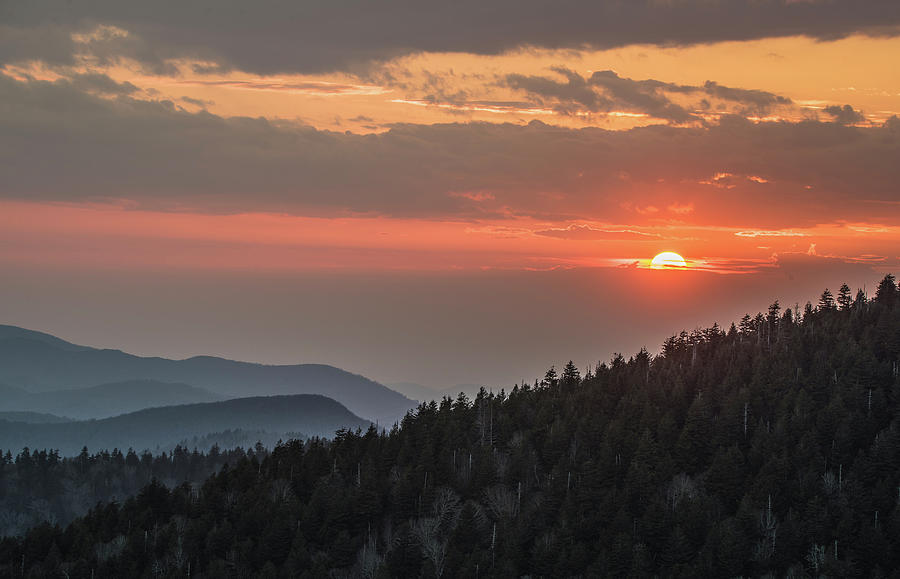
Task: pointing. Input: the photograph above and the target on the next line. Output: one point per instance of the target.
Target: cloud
(197, 102)
(102, 84)
(831, 269)
(845, 115)
(725, 180)
(605, 91)
(770, 233)
(760, 99)
(317, 88)
(799, 267)
(46, 41)
(270, 36)
(62, 144)
(588, 233)
(469, 106)
(680, 209)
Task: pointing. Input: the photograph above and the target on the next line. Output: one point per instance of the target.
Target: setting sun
(667, 259)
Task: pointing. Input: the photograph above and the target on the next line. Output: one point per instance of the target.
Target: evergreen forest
(767, 448)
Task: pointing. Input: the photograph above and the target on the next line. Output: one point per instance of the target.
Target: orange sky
(108, 236)
(855, 71)
(128, 157)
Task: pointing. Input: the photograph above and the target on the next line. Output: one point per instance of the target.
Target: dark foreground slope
(301, 415)
(773, 447)
(39, 362)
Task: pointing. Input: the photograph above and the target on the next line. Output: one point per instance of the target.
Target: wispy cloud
(770, 233)
(308, 87)
(606, 92)
(589, 233)
(520, 108)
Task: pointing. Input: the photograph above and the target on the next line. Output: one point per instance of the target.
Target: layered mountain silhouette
(36, 362)
(105, 400)
(33, 417)
(299, 415)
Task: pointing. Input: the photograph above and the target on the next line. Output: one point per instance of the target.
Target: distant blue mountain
(15, 332)
(39, 362)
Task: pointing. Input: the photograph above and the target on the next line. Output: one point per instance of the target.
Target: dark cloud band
(61, 143)
(313, 36)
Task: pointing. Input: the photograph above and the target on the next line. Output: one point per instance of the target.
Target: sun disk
(666, 260)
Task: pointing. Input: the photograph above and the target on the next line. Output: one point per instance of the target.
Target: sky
(439, 193)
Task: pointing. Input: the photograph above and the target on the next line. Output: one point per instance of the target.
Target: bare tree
(367, 559)
(433, 533)
(682, 487)
(816, 558)
(502, 502)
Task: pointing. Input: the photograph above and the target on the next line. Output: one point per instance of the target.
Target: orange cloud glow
(114, 236)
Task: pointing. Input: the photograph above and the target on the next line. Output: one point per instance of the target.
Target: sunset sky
(454, 193)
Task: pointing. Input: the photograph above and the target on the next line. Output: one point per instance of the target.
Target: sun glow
(667, 260)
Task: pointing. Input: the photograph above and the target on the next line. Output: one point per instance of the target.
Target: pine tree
(570, 376)
(826, 301)
(551, 378)
(844, 298)
(886, 294)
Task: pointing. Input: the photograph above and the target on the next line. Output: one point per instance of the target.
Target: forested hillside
(42, 486)
(770, 447)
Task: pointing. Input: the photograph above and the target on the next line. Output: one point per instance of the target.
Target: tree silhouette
(826, 301)
(570, 376)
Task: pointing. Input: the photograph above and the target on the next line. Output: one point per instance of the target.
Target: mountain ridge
(106, 400)
(40, 362)
(149, 428)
